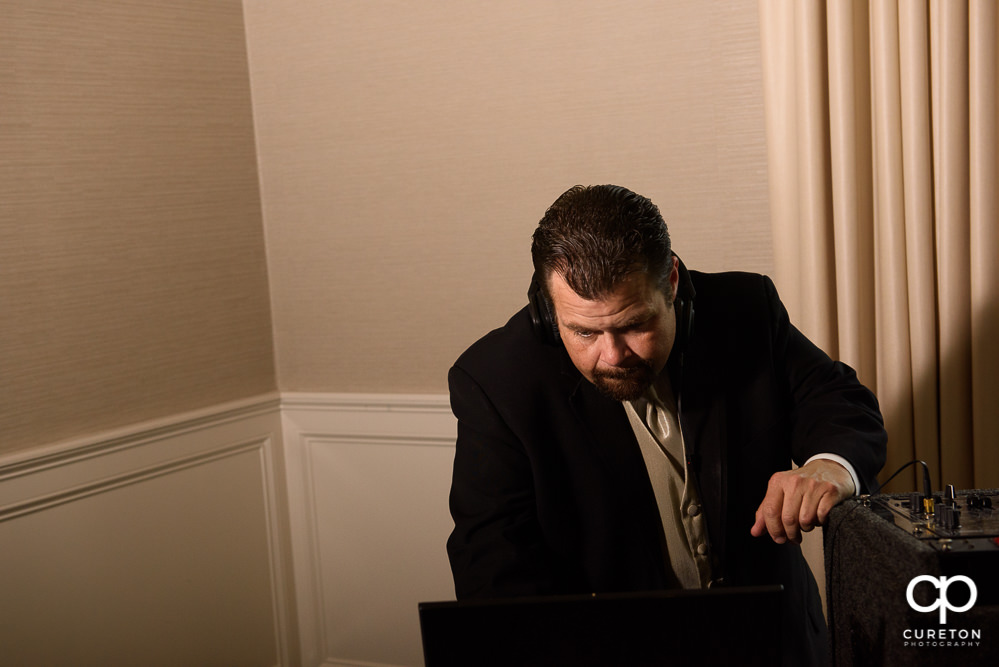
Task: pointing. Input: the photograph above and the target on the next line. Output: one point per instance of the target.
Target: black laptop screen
(720, 626)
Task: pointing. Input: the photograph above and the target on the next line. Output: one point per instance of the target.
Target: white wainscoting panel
(162, 544)
(368, 482)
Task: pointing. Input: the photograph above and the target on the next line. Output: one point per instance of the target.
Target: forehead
(635, 298)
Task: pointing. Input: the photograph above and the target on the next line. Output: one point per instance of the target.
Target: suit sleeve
(832, 412)
(497, 548)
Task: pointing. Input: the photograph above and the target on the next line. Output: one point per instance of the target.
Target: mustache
(641, 369)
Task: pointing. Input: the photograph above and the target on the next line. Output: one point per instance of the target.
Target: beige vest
(654, 420)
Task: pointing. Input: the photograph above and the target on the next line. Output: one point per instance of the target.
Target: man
(609, 440)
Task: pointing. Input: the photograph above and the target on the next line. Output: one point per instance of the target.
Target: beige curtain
(884, 169)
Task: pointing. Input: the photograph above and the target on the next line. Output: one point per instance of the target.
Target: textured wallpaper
(407, 151)
(133, 278)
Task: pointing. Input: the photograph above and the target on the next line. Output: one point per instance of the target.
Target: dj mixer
(955, 521)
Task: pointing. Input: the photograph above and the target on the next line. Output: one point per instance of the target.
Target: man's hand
(798, 500)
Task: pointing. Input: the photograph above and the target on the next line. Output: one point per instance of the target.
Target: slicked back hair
(595, 236)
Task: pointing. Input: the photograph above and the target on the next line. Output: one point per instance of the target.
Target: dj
(609, 440)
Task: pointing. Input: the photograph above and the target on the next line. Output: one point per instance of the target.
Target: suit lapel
(615, 449)
(613, 439)
(703, 408)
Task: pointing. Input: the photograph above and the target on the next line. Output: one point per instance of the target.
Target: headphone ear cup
(684, 307)
(543, 320)
(684, 304)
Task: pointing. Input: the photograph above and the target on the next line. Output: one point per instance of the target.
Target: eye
(644, 325)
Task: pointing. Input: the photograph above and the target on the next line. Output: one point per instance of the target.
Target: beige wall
(407, 151)
(132, 271)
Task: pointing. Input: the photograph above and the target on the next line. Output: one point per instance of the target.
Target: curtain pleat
(984, 213)
(949, 61)
(895, 384)
(777, 34)
(814, 198)
(916, 167)
(852, 184)
(882, 135)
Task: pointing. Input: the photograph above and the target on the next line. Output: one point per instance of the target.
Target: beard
(624, 384)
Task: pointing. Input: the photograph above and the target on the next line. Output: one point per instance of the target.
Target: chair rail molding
(309, 525)
(164, 542)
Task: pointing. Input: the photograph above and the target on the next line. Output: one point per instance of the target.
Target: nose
(615, 350)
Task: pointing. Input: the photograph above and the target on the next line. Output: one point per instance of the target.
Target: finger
(760, 526)
(828, 500)
(808, 516)
(771, 508)
(791, 513)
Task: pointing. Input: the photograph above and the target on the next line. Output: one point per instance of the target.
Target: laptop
(718, 626)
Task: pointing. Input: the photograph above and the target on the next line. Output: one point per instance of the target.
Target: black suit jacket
(550, 494)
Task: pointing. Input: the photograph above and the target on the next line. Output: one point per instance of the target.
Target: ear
(674, 276)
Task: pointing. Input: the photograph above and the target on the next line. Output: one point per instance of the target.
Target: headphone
(545, 325)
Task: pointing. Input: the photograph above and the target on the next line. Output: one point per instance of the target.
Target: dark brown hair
(595, 236)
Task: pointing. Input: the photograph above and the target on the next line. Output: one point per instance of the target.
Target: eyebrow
(639, 318)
